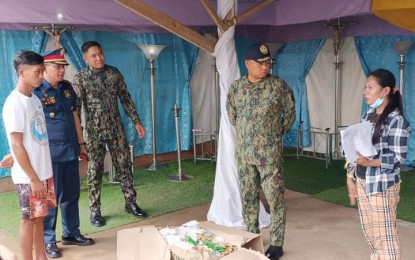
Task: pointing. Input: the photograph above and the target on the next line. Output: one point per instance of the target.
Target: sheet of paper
(358, 138)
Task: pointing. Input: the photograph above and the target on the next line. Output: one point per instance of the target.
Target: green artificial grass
(157, 196)
(310, 176)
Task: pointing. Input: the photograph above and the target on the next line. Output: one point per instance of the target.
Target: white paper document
(357, 138)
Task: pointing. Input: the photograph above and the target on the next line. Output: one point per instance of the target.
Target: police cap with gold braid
(55, 57)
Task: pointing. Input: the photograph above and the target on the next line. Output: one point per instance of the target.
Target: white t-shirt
(24, 114)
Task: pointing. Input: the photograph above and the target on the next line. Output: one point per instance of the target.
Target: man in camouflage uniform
(261, 107)
(98, 87)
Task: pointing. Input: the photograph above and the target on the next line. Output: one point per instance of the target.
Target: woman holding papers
(378, 177)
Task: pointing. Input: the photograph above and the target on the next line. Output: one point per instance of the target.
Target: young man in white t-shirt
(25, 126)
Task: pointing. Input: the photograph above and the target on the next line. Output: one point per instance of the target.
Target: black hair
(24, 57)
(87, 45)
(385, 78)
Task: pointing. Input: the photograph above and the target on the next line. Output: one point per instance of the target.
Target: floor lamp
(402, 48)
(152, 52)
(273, 49)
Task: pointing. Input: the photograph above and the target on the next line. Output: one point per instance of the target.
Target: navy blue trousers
(67, 189)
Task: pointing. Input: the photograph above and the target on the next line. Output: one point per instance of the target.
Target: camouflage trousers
(121, 159)
(270, 177)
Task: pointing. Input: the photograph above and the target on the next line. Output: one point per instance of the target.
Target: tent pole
(337, 28)
(337, 107)
(218, 110)
(217, 92)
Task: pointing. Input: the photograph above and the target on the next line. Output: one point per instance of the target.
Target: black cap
(258, 52)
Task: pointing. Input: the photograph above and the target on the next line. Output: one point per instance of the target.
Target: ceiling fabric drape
(226, 206)
(397, 12)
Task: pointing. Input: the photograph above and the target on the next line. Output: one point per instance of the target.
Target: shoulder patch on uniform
(67, 94)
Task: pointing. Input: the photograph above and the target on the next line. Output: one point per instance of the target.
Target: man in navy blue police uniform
(66, 144)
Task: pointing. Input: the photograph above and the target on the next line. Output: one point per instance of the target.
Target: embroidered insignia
(263, 49)
(67, 94)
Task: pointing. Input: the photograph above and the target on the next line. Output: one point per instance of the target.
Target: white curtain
(204, 99)
(226, 207)
(320, 90)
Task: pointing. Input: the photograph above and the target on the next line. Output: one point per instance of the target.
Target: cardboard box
(141, 243)
(235, 236)
(146, 243)
(245, 254)
(240, 254)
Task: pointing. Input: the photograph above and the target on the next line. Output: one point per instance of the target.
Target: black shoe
(96, 219)
(52, 250)
(134, 209)
(274, 252)
(78, 241)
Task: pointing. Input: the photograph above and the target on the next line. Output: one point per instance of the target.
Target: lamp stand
(152, 52)
(180, 175)
(402, 48)
(154, 166)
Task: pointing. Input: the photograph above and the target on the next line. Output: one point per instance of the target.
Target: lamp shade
(273, 48)
(402, 47)
(151, 51)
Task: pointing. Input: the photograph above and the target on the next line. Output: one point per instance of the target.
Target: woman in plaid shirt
(378, 178)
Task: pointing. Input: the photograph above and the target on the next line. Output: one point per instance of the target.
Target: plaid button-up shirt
(392, 150)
